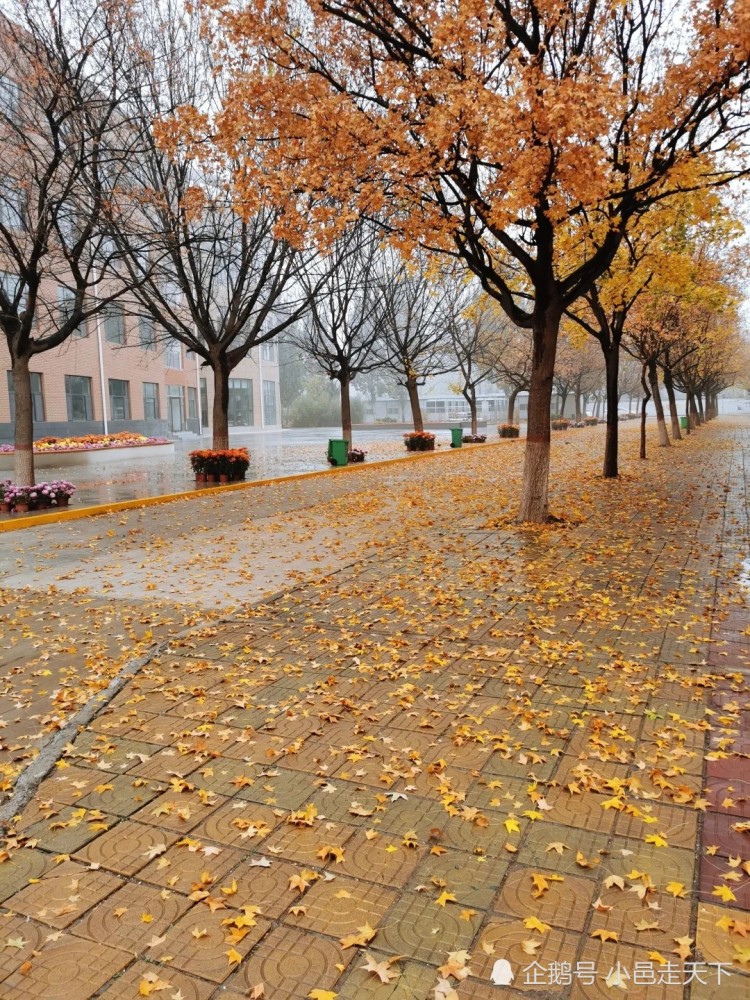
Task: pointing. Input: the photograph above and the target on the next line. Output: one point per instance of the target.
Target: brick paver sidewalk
(474, 743)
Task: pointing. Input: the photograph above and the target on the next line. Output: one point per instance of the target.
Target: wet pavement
(272, 454)
(447, 757)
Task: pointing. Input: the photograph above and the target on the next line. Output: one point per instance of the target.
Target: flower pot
(4, 507)
(63, 501)
(223, 478)
(200, 477)
(210, 478)
(21, 508)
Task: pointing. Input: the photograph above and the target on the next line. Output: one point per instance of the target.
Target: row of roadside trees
(374, 182)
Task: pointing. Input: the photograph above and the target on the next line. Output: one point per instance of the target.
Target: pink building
(115, 370)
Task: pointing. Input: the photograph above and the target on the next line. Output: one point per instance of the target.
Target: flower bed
(508, 430)
(419, 441)
(224, 466)
(38, 497)
(356, 455)
(559, 424)
(89, 442)
(473, 438)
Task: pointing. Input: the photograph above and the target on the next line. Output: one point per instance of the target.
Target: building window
(192, 403)
(240, 402)
(175, 408)
(65, 305)
(119, 399)
(37, 397)
(204, 403)
(146, 333)
(173, 354)
(268, 351)
(9, 98)
(151, 401)
(114, 324)
(78, 397)
(11, 206)
(269, 402)
(10, 284)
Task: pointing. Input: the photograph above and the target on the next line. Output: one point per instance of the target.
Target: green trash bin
(683, 423)
(457, 434)
(338, 451)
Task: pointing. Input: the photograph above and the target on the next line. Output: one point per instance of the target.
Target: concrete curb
(75, 514)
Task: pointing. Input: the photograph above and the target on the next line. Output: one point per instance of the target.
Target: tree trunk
(562, 401)
(653, 378)
(646, 397)
(473, 409)
(701, 411)
(534, 491)
(674, 416)
(611, 440)
(416, 409)
(688, 414)
(696, 420)
(23, 464)
(220, 368)
(512, 404)
(346, 409)
(577, 397)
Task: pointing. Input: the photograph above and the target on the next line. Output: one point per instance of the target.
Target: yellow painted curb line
(76, 513)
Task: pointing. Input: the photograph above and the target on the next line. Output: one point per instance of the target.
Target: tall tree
(507, 355)
(59, 104)
(344, 322)
(208, 272)
(489, 126)
(472, 322)
(414, 341)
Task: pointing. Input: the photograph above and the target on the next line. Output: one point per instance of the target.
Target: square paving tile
(121, 794)
(131, 917)
(282, 789)
(183, 865)
(343, 905)
(383, 859)
(676, 824)
(664, 864)
(535, 849)
(414, 980)
(564, 904)
(302, 844)
(180, 811)
(22, 865)
(717, 944)
(418, 927)
(127, 848)
(142, 975)
(238, 824)
(266, 887)
(199, 942)
(66, 969)
(473, 879)
(291, 963)
(628, 911)
(505, 937)
(64, 894)
(27, 937)
(70, 829)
